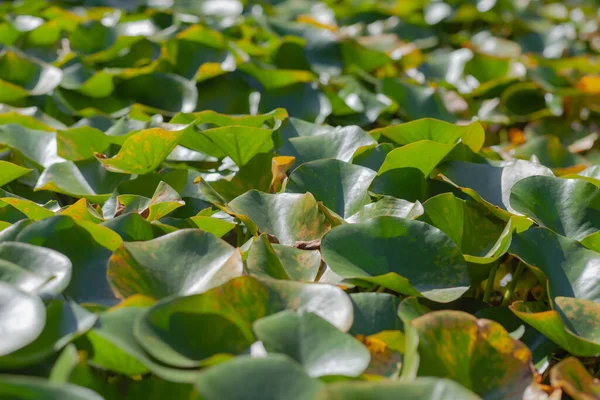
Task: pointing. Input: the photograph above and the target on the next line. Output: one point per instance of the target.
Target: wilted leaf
(571, 376)
(479, 354)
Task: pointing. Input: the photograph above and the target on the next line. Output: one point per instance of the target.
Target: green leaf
(490, 184)
(164, 201)
(558, 326)
(25, 73)
(217, 227)
(289, 217)
(369, 251)
(63, 234)
(64, 322)
(262, 260)
(30, 209)
(408, 184)
(37, 146)
(9, 172)
(419, 389)
(92, 37)
(416, 101)
(23, 317)
(423, 155)
(434, 130)
(342, 187)
(319, 347)
(184, 262)
(387, 206)
(300, 265)
(569, 207)
(34, 388)
(176, 94)
(34, 269)
(549, 151)
(65, 364)
(113, 346)
(131, 227)
(167, 329)
(571, 269)
(270, 378)
(81, 143)
(241, 143)
(143, 152)
(310, 142)
(85, 179)
(374, 312)
(524, 99)
(479, 354)
(481, 237)
(372, 157)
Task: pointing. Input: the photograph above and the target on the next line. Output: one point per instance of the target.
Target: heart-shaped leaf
(245, 378)
(231, 308)
(572, 376)
(388, 206)
(309, 142)
(289, 217)
(34, 269)
(314, 343)
(23, 317)
(36, 145)
(382, 251)
(342, 187)
(488, 183)
(571, 269)
(569, 207)
(574, 327)
(81, 143)
(143, 152)
(184, 262)
(114, 347)
(89, 259)
(481, 237)
(241, 143)
(469, 348)
(86, 179)
(423, 155)
(438, 131)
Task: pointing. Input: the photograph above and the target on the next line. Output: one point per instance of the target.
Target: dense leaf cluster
(291, 199)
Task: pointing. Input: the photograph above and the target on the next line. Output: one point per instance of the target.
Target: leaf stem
(239, 230)
(490, 283)
(513, 284)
